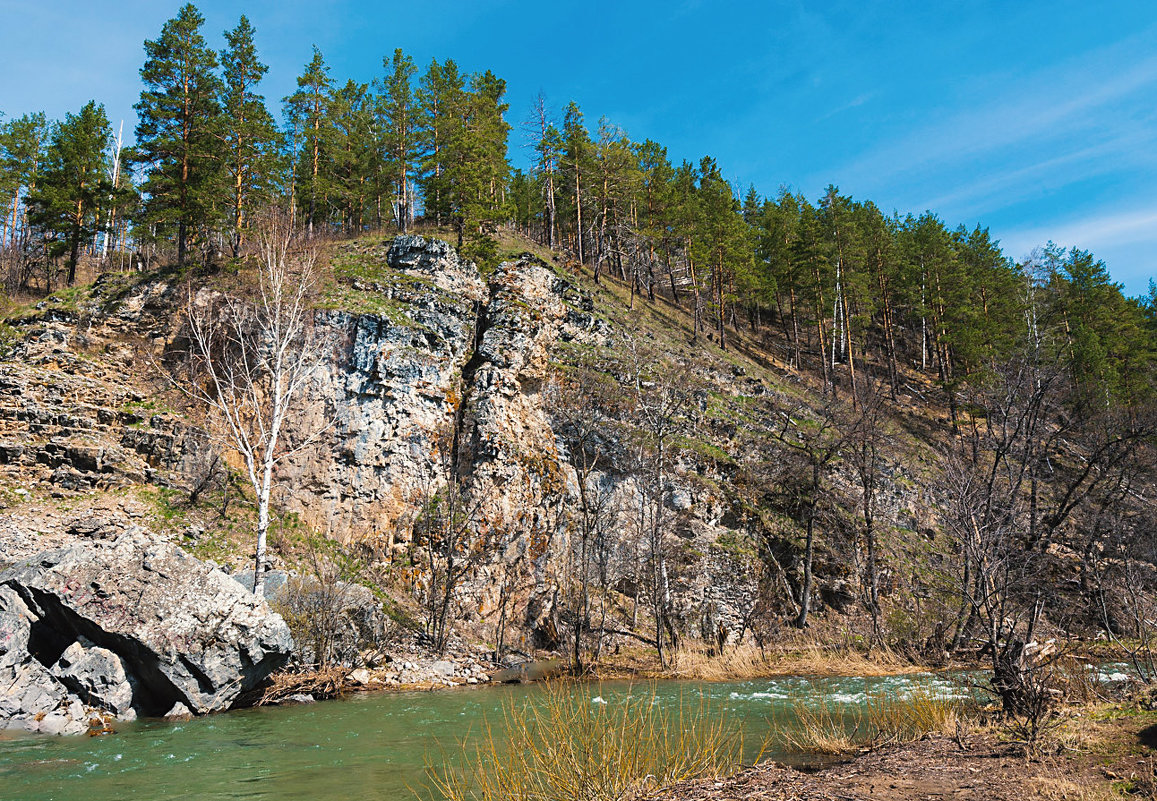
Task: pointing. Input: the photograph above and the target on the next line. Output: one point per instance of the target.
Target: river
(369, 747)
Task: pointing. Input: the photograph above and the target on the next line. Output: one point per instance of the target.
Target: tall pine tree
(397, 120)
(75, 181)
(22, 146)
(177, 132)
(308, 110)
(441, 99)
(251, 138)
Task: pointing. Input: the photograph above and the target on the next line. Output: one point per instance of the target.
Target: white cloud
(1064, 105)
(1006, 186)
(1119, 229)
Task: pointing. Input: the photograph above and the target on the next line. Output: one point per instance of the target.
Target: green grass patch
(704, 448)
(736, 545)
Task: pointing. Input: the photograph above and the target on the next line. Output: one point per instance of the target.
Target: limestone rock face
(388, 394)
(131, 625)
(446, 356)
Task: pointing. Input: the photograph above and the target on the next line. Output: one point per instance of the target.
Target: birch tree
(250, 358)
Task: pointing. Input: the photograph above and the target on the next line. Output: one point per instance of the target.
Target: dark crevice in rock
(45, 643)
(462, 459)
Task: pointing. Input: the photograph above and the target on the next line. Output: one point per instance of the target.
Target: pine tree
(837, 216)
(776, 225)
(547, 143)
(441, 99)
(523, 201)
(308, 110)
(352, 153)
(9, 184)
(251, 137)
(489, 132)
(654, 226)
(615, 181)
(177, 132)
(1089, 311)
(721, 239)
(75, 181)
(398, 122)
(573, 165)
(474, 166)
(22, 149)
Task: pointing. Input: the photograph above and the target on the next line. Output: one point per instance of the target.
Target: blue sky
(1036, 119)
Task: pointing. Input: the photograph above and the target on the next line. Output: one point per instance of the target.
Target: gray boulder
(97, 676)
(271, 581)
(104, 614)
(15, 629)
(32, 697)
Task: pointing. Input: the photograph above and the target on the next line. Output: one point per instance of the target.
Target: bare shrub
(333, 619)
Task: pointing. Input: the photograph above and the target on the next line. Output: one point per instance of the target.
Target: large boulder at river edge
(129, 626)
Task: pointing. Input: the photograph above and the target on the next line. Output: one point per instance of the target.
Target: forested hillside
(1027, 388)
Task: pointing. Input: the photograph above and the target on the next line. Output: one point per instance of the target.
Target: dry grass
(563, 745)
(732, 664)
(1075, 734)
(921, 711)
(1062, 788)
(828, 728)
(804, 659)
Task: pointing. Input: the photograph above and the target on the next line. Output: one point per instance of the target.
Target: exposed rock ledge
(127, 627)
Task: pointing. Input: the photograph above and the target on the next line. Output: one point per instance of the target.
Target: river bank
(1101, 752)
(413, 668)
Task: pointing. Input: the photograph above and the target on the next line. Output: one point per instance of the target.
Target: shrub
(564, 745)
(827, 728)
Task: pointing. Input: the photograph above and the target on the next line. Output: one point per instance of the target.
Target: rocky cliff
(433, 372)
(447, 366)
(445, 377)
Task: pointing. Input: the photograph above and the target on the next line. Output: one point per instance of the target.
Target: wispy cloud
(1006, 186)
(851, 104)
(1051, 105)
(1116, 229)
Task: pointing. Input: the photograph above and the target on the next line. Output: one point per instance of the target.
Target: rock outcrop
(431, 370)
(388, 394)
(68, 416)
(125, 627)
(440, 358)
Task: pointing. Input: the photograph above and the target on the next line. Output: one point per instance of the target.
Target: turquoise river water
(368, 747)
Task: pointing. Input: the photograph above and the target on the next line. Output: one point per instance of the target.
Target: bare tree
(866, 457)
(1028, 470)
(661, 397)
(249, 358)
(446, 536)
(814, 448)
(580, 402)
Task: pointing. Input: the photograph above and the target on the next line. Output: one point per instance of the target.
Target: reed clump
(567, 745)
(805, 658)
(825, 727)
